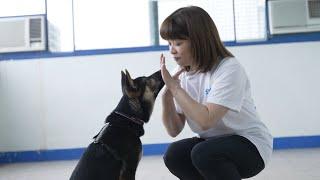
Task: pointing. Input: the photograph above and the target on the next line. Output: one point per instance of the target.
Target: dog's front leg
(129, 170)
(129, 167)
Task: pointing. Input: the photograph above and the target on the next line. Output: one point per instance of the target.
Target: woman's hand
(172, 82)
(205, 115)
(173, 121)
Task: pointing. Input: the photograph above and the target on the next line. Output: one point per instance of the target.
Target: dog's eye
(151, 83)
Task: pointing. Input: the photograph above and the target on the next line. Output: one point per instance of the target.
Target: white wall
(59, 103)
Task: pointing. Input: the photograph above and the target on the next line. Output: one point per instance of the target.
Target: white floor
(295, 164)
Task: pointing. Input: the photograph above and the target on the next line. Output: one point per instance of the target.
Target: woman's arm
(206, 115)
(173, 121)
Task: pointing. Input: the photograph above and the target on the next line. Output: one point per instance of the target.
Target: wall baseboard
(296, 142)
(148, 150)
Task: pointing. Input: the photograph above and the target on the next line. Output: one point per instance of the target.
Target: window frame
(270, 39)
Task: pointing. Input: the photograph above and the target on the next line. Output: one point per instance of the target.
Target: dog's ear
(123, 81)
(128, 86)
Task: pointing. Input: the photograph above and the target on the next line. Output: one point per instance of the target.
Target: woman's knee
(172, 154)
(203, 156)
(167, 158)
(179, 151)
(199, 156)
(213, 165)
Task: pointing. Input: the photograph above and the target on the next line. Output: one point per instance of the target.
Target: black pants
(224, 158)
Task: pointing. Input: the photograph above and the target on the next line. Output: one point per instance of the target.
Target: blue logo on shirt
(207, 91)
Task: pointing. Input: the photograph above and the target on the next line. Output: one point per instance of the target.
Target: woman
(211, 92)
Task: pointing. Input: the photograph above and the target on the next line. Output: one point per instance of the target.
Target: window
(21, 8)
(111, 24)
(241, 20)
(94, 24)
(221, 11)
(250, 18)
(60, 25)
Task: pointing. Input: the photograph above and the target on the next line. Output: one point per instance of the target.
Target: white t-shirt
(228, 86)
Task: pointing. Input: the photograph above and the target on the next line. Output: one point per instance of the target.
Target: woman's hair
(195, 24)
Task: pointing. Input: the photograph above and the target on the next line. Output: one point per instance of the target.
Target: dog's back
(116, 150)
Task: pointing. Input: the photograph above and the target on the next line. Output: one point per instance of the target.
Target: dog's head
(141, 92)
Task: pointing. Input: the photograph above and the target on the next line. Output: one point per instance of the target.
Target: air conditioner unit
(25, 33)
(293, 16)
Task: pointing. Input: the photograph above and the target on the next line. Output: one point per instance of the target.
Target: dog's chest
(119, 140)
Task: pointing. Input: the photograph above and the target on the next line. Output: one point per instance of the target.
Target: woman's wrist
(174, 89)
(167, 93)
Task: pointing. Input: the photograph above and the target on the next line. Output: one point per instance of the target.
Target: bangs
(170, 29)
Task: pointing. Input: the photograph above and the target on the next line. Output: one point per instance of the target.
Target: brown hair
(195, 24)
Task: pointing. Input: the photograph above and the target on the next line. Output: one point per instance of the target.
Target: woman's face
(181, 52)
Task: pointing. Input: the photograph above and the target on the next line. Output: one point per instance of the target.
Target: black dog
(117, 149)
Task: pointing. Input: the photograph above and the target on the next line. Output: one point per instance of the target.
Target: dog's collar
(133, 119)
